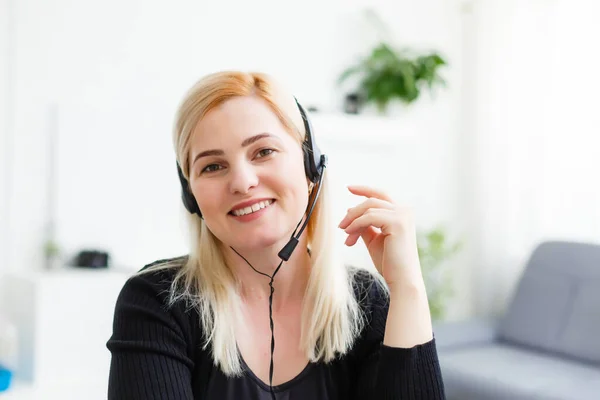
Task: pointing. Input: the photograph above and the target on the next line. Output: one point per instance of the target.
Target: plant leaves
(434, 250)
(388, 74)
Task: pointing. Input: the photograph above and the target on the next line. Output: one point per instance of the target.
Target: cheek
(293, 177)
(207, 198)
(300, 190)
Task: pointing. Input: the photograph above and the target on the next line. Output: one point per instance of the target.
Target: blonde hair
(331, 315)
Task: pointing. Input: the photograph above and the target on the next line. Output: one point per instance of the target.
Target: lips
(251, 207)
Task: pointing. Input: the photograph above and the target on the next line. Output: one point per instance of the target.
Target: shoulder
(164, 266)
(157, 276)
(144, 319)
(143, 304)
(149, 289)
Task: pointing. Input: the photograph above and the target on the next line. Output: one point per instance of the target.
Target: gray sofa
(546, 346)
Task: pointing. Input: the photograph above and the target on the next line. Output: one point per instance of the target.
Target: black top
(157, 354)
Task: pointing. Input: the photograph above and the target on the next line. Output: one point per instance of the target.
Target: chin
(260, 242)
(266, 242)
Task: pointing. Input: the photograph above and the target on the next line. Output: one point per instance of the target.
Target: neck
(290, 281)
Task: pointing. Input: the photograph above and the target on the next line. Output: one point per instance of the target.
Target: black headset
(314, 163)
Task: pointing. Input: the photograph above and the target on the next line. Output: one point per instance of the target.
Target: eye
(211, 168)
(264, 152)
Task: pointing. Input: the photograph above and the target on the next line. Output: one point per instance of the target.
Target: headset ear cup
(190, 204)
(312, 153)
(189, 201)
(309, 165)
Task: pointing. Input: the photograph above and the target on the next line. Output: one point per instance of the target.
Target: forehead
(235, 120)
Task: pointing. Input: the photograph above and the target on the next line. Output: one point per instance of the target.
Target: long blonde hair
(331, 315)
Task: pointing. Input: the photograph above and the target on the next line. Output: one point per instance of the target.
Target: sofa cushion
(538, 311)
(554, 306)
(581, 333)
(500, 371)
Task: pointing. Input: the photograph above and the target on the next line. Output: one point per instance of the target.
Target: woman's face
(247, 175)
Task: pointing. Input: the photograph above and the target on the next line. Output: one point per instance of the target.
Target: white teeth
(253, 208)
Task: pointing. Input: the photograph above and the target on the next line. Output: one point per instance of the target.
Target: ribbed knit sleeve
(389, 373)
(149, 345)
(409, 374)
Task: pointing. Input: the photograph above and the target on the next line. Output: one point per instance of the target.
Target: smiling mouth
(252, 209)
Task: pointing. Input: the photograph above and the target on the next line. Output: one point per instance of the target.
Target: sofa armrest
(450, 335)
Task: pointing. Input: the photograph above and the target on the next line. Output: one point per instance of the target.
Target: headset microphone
(287, 250)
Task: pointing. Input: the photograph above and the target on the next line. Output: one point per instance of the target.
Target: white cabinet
(64, 319)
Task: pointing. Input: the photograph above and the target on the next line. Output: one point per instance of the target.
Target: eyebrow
(245, 143)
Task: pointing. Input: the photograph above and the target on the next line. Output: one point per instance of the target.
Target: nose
(243, 178)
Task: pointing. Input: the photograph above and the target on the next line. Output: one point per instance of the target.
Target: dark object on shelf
(91, 259)
(352, 103)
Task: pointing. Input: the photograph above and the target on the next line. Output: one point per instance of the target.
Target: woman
(204, 326)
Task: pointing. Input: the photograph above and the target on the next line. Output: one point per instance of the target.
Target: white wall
(507, 151)
(6, 36)
(535, 129)
(116, 78)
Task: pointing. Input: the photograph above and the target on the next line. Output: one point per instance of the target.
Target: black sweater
(157, 354)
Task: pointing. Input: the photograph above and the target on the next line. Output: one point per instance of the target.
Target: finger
(367, 235)
(368, 191)
(352, 239)
(360, 209)
(377, 218)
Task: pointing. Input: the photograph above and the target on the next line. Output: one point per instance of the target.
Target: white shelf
(363, 130)
(364, 125)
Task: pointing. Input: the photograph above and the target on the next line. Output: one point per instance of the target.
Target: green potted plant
(387, 73)
(434, 251)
